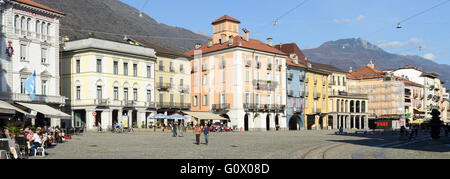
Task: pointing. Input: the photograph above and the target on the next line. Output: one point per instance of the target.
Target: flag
(30, 86)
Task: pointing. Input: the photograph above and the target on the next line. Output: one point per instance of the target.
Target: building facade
(30, 44)
(239, 78)
(172, 79)
(431, 91)
(295, 93)
(316, 97)
(108, 82)
(386, 94)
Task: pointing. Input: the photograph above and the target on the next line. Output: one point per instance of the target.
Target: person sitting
(35, 142)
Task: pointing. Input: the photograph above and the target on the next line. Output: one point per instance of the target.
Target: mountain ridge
(116, 19)
(356, 53)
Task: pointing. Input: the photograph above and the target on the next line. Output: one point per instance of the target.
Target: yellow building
(316, 97)
(172, 79)
(108, 82)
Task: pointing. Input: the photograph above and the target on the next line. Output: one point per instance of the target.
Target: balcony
(222, 65)
(101, 102)
(129, 103)
(301, 77)
(269, 67)
(161, 68)
(248, 63)
(331, 83)
(302, 94)
(204, 67)
(317, 95)
(249, 107)
(172, 105)
(279, 67)
(265, 85)
(291, 93)
(163, 86)
(38, 98)
(258, 65)
(220, 107)
(290, 76)
(184, 89)
(172, 69)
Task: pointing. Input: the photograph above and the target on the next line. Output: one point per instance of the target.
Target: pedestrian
(181, 129)
(154, 127)
(198, 132)
(174, 128)
(206, 132)
(411, 135)
(446, 128)
(341, 130)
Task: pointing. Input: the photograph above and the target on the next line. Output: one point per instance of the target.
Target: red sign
(94, 113)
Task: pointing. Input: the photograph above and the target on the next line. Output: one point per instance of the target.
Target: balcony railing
(291, 93)
(279, 67)
(317, 95)
(248, 63)
(221, 107)
(163, 86)
(101, 102)
(129, 103)
(38, 98)
(290, 76)
(269, 67)
(173, 105)
(265, 85)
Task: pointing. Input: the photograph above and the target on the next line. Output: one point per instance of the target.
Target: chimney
(197, 46)
(210, 42)
(351, 70)
(230, 41)
(371, 65)
(269, 41)
(245, 34)
(223, 38)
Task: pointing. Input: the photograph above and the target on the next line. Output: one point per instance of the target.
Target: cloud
(430, 56)
(398, 44)
(360, 18)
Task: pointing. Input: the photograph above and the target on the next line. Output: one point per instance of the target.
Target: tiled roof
(160, 51)
(290, 62)
(225, 18)
(291, 48)
(408, 83)
(35, 4)
(366, 73)
(237, 42)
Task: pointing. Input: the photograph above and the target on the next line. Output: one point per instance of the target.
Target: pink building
(239, 78)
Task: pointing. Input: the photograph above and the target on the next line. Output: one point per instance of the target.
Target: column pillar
(360, 125)
(130, 118)
(141, 117)
(73, 118)
(120, 116)
(335, 123)
(106, 119)
(348, 121)
(354, 122)
(90, 119)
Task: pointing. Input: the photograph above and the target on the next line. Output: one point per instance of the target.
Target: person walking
(181, 129)
(206, 132)
(198, 132)
(174, 128)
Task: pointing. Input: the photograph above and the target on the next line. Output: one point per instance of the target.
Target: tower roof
(225, 18)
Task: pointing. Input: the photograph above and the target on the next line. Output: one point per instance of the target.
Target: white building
(431, 96)
(30, 43)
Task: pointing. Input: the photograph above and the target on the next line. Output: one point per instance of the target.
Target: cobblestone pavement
(249, 145)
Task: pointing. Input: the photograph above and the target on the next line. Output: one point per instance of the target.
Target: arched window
(42, 28)
(38, 27)
(23, 24)
(28, 25)
(16, 22)
(48, 29)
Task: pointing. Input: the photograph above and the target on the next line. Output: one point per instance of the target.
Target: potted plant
(14, 128)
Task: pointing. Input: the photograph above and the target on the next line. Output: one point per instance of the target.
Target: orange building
(239, 78)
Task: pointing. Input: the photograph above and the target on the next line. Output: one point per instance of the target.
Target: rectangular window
(247, 99)
(171, 100)
(99, 65)
(205, 100)
(22, 87)
(125, 94)
(149, 71)
(44, 87)
(161, 65)
(78, 66)
(44, 55)
(78, 93)
(223, 76)
(181, 68)
(205, 79)
(116, 67)
(182, 99)
(125, 69)
(181, 83)
(135, 70)
(99, 92)
(247, 75)
(149, 95)
(116, 93)
(171, 83)
(135, 94)
(23, 52)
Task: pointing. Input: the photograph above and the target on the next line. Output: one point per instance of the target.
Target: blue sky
(319, 21)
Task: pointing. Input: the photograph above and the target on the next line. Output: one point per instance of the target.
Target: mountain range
(113, 19)
(356, 53)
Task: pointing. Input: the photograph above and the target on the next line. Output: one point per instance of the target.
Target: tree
(435, 124)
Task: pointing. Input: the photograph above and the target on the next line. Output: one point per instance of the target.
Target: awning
(48, 111)
(7, 108)
(206, 116)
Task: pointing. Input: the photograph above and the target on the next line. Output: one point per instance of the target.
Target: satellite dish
(399, 26)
